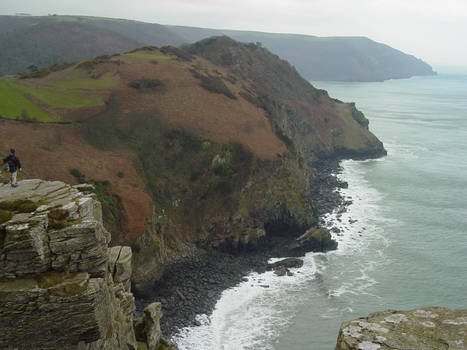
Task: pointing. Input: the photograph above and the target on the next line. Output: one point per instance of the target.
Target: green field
(60, 98)
(21, 101)
(13, 104)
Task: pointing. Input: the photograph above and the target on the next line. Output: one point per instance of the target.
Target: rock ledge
(429, 328)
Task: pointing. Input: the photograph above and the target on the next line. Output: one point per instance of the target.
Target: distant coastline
(315, 58)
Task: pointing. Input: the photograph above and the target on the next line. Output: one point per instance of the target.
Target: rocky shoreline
(194, 286)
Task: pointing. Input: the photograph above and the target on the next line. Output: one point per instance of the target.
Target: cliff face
(61, 287)
(430, 328)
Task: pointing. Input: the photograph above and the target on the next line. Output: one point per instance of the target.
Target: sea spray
(246, 316)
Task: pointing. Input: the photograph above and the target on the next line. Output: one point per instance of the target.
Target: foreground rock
(61, 287)
(430, 328)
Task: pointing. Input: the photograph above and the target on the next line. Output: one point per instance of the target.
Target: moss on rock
(19, 206)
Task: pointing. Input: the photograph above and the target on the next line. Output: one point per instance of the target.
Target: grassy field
(39, 99)
(13, 103)
(60, 98)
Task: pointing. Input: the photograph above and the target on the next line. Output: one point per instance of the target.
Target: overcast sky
(433, 30)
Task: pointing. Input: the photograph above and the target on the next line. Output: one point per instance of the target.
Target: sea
(402, 241)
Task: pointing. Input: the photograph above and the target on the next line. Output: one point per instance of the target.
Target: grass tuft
(5, 215)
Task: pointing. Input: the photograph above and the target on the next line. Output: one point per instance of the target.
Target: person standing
(13, 165)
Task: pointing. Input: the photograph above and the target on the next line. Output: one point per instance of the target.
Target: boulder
(285, 263)
(316, 240)
(429, 328)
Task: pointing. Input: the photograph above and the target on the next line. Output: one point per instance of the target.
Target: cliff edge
(429, 328)
(61, 286)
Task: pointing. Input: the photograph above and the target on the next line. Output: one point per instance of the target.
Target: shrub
(179, 53)
(46, 71)
(5, 215)
(111, 204)
(213, 84)
(146, 84)
(252, 99)
(79, 176)
(58, 218)
(25, 117)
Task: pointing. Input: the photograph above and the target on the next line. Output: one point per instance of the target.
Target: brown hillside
(50, 151)
(183, 103)
(180, 102)
(319, 126)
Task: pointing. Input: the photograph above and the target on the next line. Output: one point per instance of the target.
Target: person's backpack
(11, 163)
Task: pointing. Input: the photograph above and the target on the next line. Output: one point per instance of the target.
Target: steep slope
(45, 44)
(326, 58)
(43, 41)
(318, 126)
(209, 148)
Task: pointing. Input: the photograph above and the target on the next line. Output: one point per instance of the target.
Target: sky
(432, 30)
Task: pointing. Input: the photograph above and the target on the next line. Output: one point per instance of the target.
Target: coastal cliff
(209, 147)
(216, 148)
(61, 286)
(429, 328)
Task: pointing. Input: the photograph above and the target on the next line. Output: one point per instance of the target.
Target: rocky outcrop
(314, 239)
(430, 328)
(281, 267)
(61, 287)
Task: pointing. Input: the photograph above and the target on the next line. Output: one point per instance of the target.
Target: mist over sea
(403, 240)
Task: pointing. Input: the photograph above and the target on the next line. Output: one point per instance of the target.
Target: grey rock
(281, 271)
(429, 328)
(61, 287)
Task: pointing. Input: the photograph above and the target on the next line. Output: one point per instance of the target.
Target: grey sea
(402, 241)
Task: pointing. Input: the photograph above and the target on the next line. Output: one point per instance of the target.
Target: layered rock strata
(430, 328)
(61, 286)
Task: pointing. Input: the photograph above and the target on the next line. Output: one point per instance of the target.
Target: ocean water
(402, 241)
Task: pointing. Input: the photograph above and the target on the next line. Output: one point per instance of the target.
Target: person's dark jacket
(13, 162)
